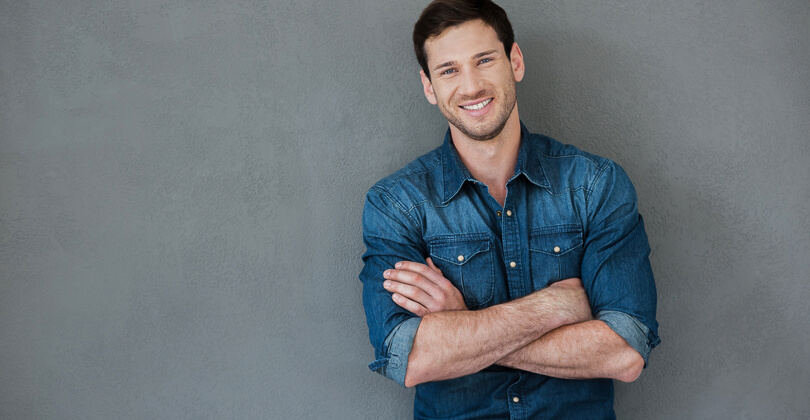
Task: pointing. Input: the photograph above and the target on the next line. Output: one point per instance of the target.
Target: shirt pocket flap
(555, 240)
(459, 252)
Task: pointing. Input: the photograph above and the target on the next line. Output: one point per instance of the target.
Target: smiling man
(506, 274)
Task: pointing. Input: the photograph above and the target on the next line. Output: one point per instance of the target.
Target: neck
(491, 161)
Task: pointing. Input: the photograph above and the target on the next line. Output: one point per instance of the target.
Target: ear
(518, 66)
(427, 88)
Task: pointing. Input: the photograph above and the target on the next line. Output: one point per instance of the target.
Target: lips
(477, 106)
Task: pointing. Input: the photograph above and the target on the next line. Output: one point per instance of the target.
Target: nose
(471, 84)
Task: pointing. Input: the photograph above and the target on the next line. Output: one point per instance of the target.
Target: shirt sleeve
(390, 235)
(616, 269)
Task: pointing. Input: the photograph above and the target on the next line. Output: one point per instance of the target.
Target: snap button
(557, 249)
(516, 399)
(513, 264)
(509, 212)
(461, 258)
(498, 213)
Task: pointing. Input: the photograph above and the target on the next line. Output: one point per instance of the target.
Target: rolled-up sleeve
(390, 235)
(637, 335)
(397, 347)
(616, 270)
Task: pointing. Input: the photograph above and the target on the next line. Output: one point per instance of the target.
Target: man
(506, 274)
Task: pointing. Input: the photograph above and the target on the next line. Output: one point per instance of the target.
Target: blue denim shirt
(567, 214)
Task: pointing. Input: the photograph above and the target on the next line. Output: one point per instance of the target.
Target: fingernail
(399, 264)
(387, 284)
(395, 296)
(386, 273)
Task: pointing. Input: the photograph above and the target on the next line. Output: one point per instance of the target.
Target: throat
(498, 193)
(495, 181)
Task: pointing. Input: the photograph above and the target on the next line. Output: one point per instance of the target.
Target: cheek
(439, 99)
(443, 92)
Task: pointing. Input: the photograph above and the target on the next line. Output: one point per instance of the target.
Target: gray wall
(181, 184)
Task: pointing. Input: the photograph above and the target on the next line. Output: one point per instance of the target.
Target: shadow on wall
(710, 247)
(609, 100)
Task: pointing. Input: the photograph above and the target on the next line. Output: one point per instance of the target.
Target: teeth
(478, 105)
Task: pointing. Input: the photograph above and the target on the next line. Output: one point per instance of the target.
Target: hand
(422, 289)
(570, 295)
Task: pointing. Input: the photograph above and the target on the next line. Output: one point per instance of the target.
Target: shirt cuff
(631, 329)
(397, 347)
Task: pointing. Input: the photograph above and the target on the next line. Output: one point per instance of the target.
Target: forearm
(579, 351)
(451, 344)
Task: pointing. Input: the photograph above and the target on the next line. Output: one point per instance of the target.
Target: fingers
(422, 288)
(412, 279)
(415, 267)
(433, 266)
(409, 305)
(409, 291)
(429, 272)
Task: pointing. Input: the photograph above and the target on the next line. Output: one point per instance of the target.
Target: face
(472, 80)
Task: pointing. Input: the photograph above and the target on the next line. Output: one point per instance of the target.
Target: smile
(478, 105)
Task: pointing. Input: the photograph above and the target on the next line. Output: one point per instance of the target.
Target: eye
(484, 60)
(448, 71)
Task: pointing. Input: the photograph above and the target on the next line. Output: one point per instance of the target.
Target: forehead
(461, 42)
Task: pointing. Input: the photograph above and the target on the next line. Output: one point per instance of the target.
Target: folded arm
(426, 334)
(585, 350)
(453, 343)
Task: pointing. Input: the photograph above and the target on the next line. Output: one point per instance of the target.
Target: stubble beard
(490, 131)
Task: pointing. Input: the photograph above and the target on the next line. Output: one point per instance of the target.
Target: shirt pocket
(466, 260)
(555, 254)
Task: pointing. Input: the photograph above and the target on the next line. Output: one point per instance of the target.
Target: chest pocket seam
(450, 252)
(555, 240)
(555, 253)
(467, 255)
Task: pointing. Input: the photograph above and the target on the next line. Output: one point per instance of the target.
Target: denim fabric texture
(567, 214)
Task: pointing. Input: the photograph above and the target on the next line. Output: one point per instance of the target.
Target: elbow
(413, 373)
(409, 381)
(631, 366)
(412, 378)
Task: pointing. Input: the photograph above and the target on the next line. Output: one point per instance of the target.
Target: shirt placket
(510, 238)
(515, 399)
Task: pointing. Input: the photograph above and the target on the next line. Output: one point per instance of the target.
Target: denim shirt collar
(455, 173)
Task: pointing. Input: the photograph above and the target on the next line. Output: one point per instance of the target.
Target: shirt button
(461, 258)
(509, 212)
(516, 399)
(557, 249)
(498, 213)
(513, 264)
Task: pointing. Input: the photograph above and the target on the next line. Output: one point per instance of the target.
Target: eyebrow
(451, 63)
(481, 54)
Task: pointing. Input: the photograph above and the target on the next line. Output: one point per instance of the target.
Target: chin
(484, 134)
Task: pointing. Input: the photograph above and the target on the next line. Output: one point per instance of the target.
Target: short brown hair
(442, 14)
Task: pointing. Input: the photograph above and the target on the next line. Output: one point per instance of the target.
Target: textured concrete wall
(181, 185)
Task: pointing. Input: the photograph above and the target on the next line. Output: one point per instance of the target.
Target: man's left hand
(422, 289)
